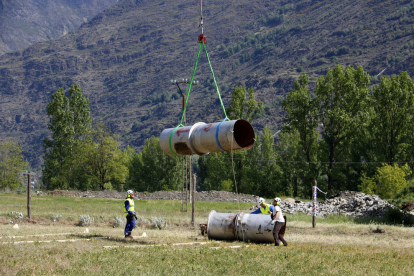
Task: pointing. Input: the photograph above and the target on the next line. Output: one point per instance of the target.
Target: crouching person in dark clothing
(278, 221)
(129, 212)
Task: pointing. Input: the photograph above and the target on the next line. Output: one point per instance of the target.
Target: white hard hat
(277, 199)
(130, 192)
(260, 201)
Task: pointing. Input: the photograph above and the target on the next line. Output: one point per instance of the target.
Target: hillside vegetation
(124, 58)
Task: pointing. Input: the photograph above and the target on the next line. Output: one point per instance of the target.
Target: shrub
(377, 229)
(119, 222)
(15, 215)
(396, 216)
(141, 222)
(227, 185)
(85, 220)
(387, 181)
(55, 217)
(159, 223)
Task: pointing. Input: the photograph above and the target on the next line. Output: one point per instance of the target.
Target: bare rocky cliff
(25, 22)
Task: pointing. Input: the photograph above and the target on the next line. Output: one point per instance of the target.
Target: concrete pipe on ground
(220, 226)
(202, 138)
(242, 227)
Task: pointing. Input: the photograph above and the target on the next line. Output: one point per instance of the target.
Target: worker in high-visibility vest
(264, 209)
(129, 212)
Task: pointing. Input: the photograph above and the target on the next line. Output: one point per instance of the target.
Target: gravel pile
(354, 204)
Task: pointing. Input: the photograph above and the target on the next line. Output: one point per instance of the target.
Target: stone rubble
(348, 203)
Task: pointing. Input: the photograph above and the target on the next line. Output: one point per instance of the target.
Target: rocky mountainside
(25, 22)
(125, 56)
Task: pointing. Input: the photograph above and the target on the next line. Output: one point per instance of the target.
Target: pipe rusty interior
(244, 134)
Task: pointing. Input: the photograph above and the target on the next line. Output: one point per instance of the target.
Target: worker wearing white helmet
(129, 212)
(279, 221)
(264, 209)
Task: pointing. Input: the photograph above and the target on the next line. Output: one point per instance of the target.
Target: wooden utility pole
(29, 186)
(191, 182)
(193, 202)
(315, 202)
(185, 160)
(186, 172)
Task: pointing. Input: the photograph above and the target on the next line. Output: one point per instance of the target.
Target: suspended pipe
(202, 138)
(242, 227)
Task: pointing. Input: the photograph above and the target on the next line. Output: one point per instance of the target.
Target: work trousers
(276, 233)
(129, 224)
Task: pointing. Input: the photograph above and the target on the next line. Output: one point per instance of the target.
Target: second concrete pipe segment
(241, 226)
(202, 138)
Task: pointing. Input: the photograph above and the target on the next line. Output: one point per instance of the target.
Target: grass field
(337, 246)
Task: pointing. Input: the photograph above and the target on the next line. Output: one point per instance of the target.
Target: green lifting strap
(186, 100)
(188, 94)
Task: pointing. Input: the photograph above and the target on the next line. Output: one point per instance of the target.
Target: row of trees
(364, 127)
(344, 133)
(79, 154)
(83, 155)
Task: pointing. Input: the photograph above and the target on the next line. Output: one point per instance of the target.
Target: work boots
(129, 236)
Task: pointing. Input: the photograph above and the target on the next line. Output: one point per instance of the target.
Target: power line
(285, 161)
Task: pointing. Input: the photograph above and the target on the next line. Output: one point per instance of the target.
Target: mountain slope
(124, 58)
(25, 22)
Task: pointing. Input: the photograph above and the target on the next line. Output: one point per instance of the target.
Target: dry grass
(330, 249)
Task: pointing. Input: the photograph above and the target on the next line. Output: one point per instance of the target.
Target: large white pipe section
(203, 138)
(220, 226)
(254, 227)
(242, 227)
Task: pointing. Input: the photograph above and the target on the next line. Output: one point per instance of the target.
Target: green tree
(218, 166)
(391, 125)
(292, 164)
(101, 159)
(251, 183)
(213, 169)
(69, 121)
(301, 115)
(11, 165)
(269, 175)
(342, 99)
(152, 170)
(388, 181)
(255, 170)
(243, 108)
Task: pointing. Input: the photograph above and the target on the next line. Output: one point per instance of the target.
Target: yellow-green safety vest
(131, 206)
(266, 210)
